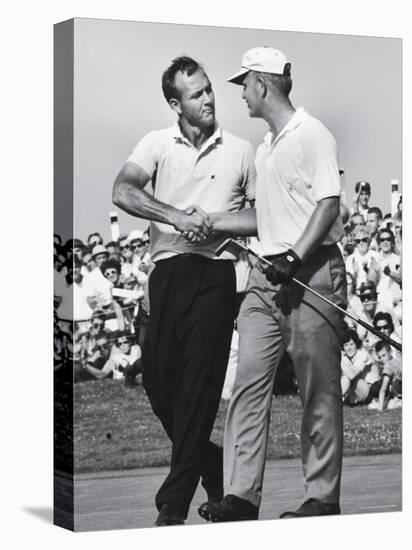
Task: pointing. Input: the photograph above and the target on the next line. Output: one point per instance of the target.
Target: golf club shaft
(357, 320)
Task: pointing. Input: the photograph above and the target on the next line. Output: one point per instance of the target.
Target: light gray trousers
(273, 319)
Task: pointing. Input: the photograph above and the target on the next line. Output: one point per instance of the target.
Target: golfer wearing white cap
(298, 221)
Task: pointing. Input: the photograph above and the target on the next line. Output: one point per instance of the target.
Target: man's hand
(195, 224)
(283, 268)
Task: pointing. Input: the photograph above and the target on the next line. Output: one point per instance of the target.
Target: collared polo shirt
(218, 177)
(295, 171)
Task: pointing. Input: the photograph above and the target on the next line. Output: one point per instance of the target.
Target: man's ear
(175, 105)
(262, 87)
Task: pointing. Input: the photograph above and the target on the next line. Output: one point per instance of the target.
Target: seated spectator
(96, 329)
(100, 365)
(389, 273)
(94, 239)
(391, 382)
(373, 221)
(127, 358)
(361, 200)
(359, 371)
(360, 264)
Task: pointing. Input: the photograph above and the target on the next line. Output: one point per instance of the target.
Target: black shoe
(231, 508)
(313, 507)
(169, 516)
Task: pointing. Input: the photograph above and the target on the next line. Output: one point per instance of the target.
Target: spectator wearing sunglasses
(389, 266)
(383, 321)
(96, 328)
(370, 306)
(126, 253)
(359, 264)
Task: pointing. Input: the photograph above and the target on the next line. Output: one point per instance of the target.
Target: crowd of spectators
(101, 305)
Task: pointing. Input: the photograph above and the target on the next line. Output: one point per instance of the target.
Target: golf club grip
(380, 335)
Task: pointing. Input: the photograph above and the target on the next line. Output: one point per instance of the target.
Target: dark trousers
(185, 354)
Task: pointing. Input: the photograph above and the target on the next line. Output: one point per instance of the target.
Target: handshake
(193, 223)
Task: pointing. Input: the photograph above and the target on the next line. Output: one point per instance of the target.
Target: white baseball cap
(99, 249)
(263, 59)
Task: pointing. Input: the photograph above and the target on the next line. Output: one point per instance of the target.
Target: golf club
(236, 247)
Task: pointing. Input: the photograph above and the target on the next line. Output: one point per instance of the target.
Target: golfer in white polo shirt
(298, 221)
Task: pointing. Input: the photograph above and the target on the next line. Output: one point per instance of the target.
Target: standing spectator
(113, 250)
(361, 201)
(373, 221)
(127, 256)
(360, 264)
(389, 264)
(359, 371)
(88, 262)
(356, 222)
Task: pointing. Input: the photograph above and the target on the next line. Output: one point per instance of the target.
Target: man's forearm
(322, 219)
(139, 203)
(242, 223)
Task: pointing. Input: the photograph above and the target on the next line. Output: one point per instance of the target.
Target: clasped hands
(194, 224)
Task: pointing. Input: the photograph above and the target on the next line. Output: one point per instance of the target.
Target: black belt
(323, 248)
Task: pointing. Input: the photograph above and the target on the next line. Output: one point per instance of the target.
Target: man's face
(112, 250)
(89, 262)
(362, 242)
(369, 302)
(125, 249)
(384, 355)
(123, 344)
(364, 197)
(103, 346)
(383, 326)
(250, 94)
(385, 242)
(100, 258)
(357, 221)
(372, 223)
(94, 240)
(138, 247)
(350, 348)
(75, 273)
(196, 102)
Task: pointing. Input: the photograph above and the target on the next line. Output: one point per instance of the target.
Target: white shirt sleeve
(146, 153)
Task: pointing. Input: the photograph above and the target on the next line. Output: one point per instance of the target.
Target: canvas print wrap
(228, 282)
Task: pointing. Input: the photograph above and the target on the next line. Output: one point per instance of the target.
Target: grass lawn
(115, 429)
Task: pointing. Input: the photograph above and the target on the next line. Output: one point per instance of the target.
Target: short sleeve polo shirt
(219, 177)
(295, 171)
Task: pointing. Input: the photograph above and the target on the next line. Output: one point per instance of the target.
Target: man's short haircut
(381, 344)
(281, 82)
(181, 64)
(375, 210)
(111, 243)
(363, 186)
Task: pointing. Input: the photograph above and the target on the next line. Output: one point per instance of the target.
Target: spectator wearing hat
(361, 200)
(360, 264)
(370, 306)
(359, 371)
(373, 221)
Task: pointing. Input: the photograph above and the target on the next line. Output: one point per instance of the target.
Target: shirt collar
(214, 138)
(293, 123)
